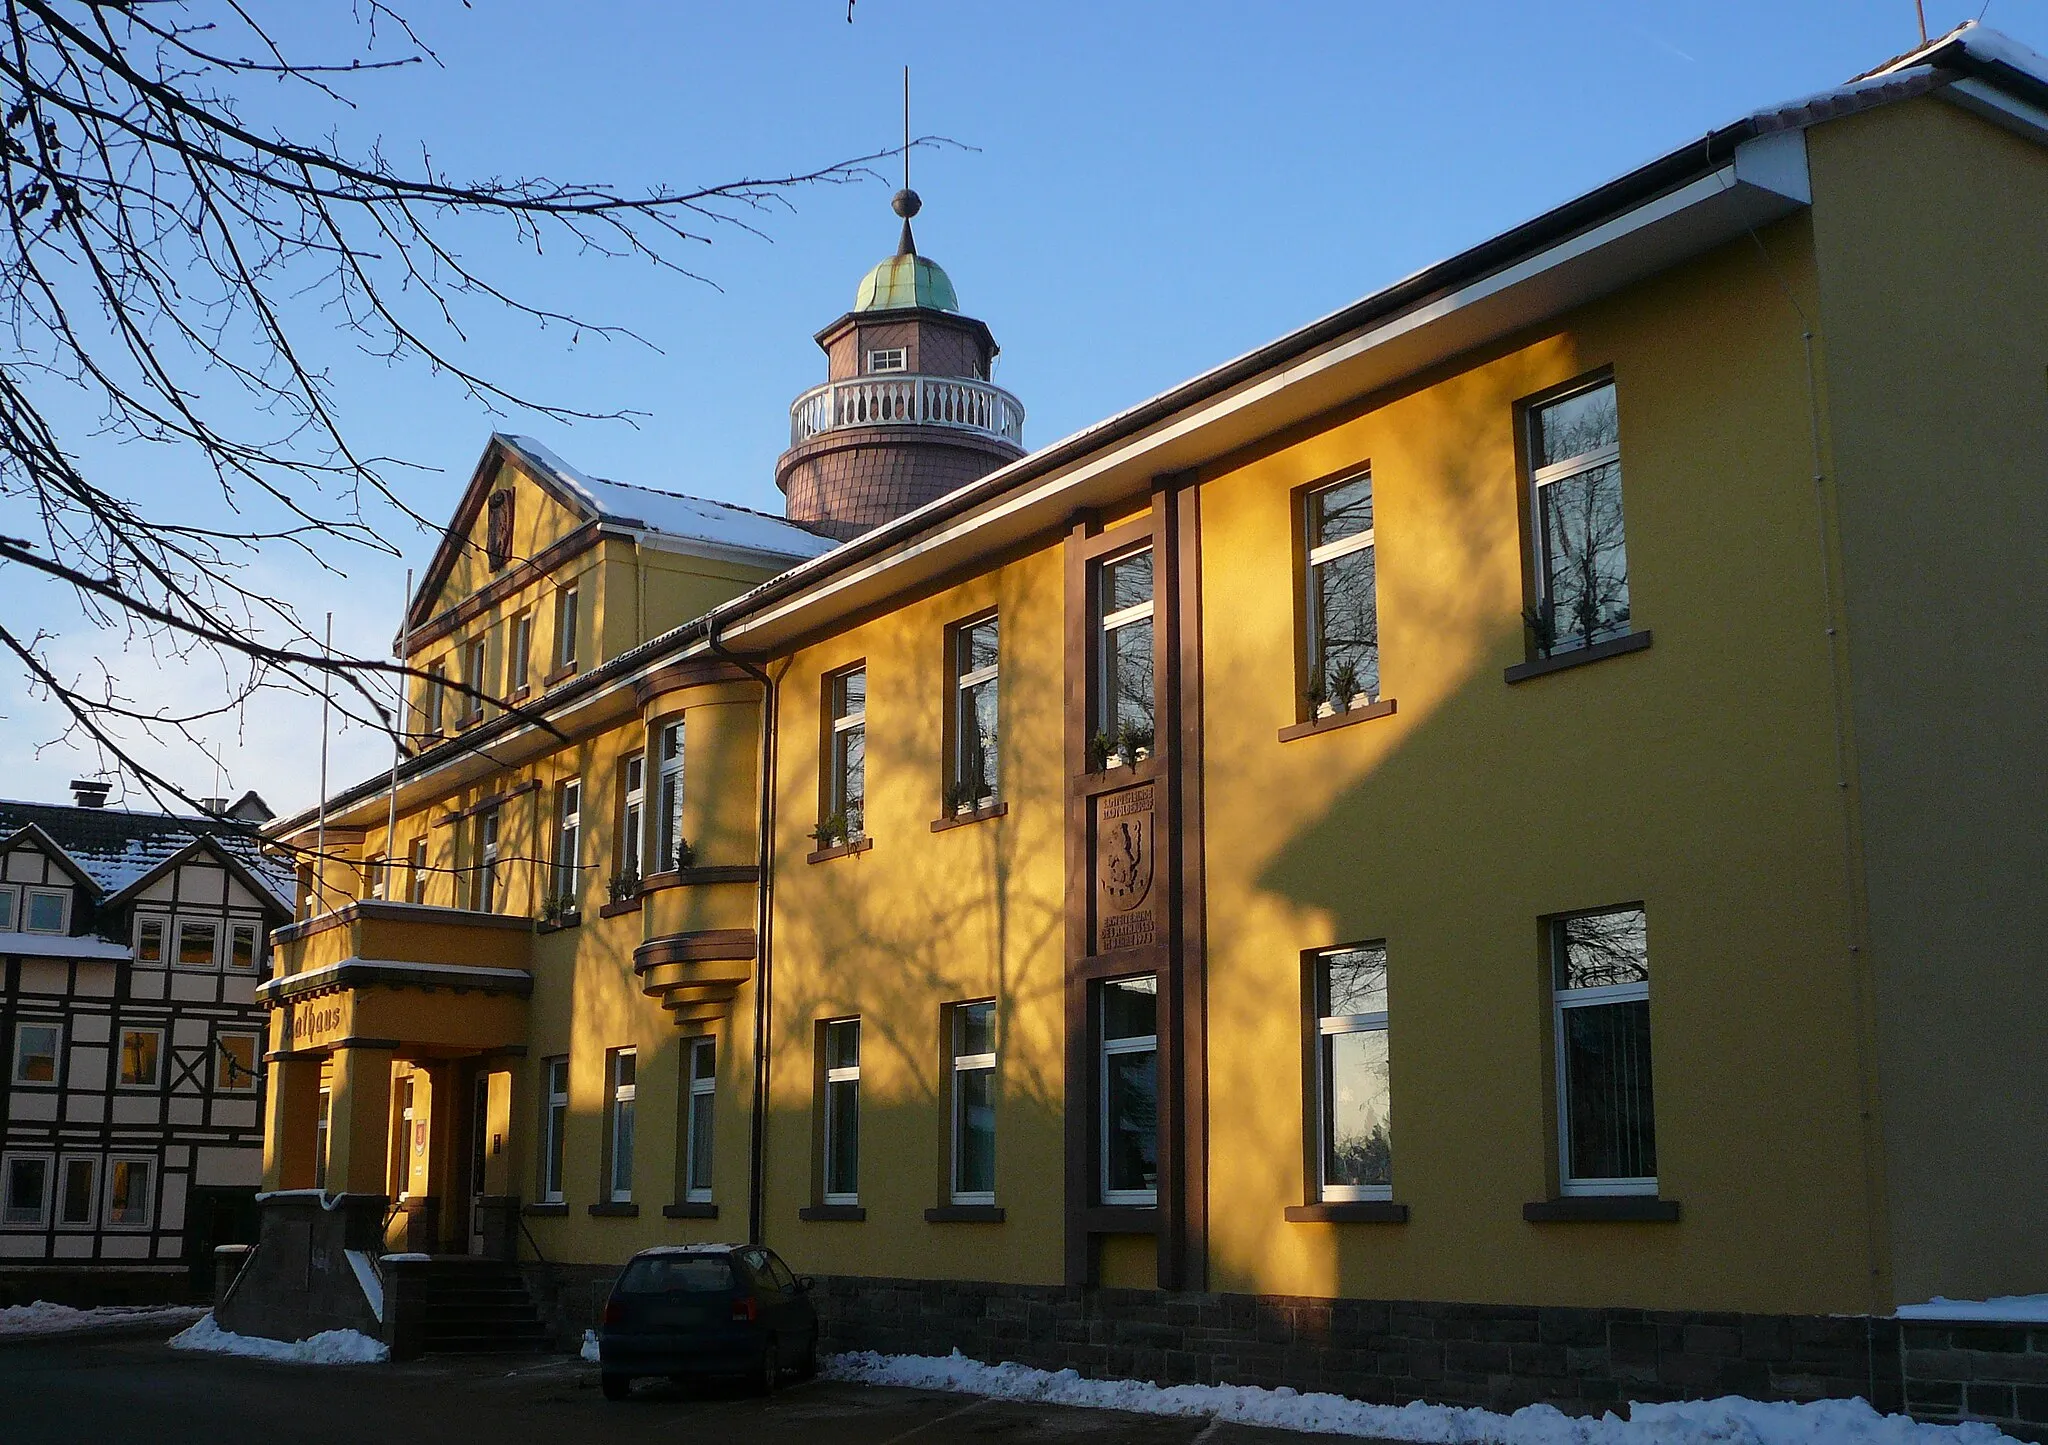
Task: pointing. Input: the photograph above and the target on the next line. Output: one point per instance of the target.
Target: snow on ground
(590, 1346)
(44, 1318)
(329, 1347)
(1729, 1421)
(2000, 1309)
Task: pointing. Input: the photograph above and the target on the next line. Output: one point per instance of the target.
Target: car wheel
(807, 1363)
(771, 1369)
(616, 1387)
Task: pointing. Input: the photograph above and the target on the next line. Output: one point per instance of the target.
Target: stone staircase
(477, 1306)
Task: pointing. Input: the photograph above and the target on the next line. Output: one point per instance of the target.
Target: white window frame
(375, 871)
(1328, 1026)
(843, 724)
(632, 813)
(984, 1062)
(1319, 556)
(1106, 1049)
(519, 651)
(484, 885)
(30, 893)
(567, 873)
(568, 610)
(671, 746)
(22, 1056)
(1108, 623)
(965, 719)
(416, 871)
(114, 1163)
(10, 908)
(842, 1076)
(621, 1122)
(885, 359)
(47, 1207)
(164, 938)
(197, 920)
(92, 1191)
(554, 1126)
(476, 661)
(323, 1132)
(147, 1086)
(223, 1076)
(236, 927)
(437, 696)
(1558, 471)
(1562, 1000)
(702, 1085)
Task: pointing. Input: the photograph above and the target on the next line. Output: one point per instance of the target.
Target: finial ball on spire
(906, 203)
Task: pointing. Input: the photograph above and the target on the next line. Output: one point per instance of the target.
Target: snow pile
(590, 1346)
(2000, 1309)
(1729, 1421)
(44, 1318)
(329, 1347)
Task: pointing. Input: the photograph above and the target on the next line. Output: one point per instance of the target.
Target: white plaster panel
(239, 989)
(146, 983)
(242, 897)
(173, 1216)
(73, 1246)
(45, 975)
(189, 1031)
(95, 980)
(196, 988)
(157, 892)
(88, 1066)
(201, 884)
(221, 1167)
(86, 1109)
(125, 1246)
(133, 1109)
(178, 1156)
(235, 1113)
(25, 865)
(39, 1105)
(91, 1028)
(21, 1246)
(187, 1110)
(170, 1248)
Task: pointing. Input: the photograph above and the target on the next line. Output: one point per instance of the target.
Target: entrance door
(479, 1154)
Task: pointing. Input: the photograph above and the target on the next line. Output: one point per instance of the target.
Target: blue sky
(1139, 191)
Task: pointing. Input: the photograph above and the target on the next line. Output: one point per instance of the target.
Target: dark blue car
(692, 1310)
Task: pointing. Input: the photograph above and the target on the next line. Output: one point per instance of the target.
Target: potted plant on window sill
(686, 856)
(623, 886)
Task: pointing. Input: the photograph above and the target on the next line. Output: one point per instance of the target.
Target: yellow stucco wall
(1936, 331)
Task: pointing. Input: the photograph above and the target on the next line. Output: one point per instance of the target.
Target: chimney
(213, 807)
(89, 793)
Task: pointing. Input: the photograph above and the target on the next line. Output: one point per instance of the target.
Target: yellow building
(1646, 817)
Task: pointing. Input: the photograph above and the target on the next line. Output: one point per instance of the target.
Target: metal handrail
(907, 399)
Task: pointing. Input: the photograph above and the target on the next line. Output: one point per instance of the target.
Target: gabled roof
(114, 850)
(210, 846)
(33, 835)
(719, 528)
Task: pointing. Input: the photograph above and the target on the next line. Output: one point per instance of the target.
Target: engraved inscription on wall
(1126, 898)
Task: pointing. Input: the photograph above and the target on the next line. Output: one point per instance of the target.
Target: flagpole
(320, 831)
(398, 736)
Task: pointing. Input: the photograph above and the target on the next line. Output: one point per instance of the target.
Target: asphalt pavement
(132, 1391)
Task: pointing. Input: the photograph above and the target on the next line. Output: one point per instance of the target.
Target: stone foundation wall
(298, 1280)
(1385, 1351)
(569, 1297)
(1995, 1372)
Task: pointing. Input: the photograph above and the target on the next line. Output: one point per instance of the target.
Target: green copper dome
(906, 280)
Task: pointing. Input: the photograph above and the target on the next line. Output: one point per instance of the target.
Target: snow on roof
(722, 524)
(668, 1249)
(115, 847)
(2000, 1309)
(51, 945)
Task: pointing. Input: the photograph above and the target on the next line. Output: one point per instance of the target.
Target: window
(141, 1058)
(1581, 562)
(974, 1103)
(1353, 1093)
(79, 1186)
(234, 1064)
(1129, 1066)
(149, 938)
(129, 1195)
(473, 674)
(519, 652)
(245, 946)
(669, 797)
(701, 1058)
(1343, 651)
(554, 1128)
(565, 629)
(484, 888)
(437, 697)
(198, 943)
(25, 1198)
(47, 910)
(846, 782)
(1123, 702)
(35, 1052)
(416, 871)
(9, 902)
(376, 871)
(399, 1184)
(888, 358)
(1607, 1135)
(632, 813)
(320, 1130)
(568, 842)
(842, 1111)
(974, 714)
(624, 1063)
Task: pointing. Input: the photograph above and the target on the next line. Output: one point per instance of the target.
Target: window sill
(615, 1211)
(974, 815)
(613, 910)
(965, 1214)
(1382, 708)
(689, 1211)
(547, 1211)
(841, 850)
(1577, 657)
(464, 724)
(518, 694)
(567, 920)
(560, 674)
(683, 878)
(1602, 1209)
(833, 1214)
(1348, 1211)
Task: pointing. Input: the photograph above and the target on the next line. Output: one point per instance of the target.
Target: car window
(779, 1272)
(677, 1274)
(756, 1262)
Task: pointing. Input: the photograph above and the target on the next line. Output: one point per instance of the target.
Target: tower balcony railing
(907, 400)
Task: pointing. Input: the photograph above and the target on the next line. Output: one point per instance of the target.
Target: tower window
(892, 358)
